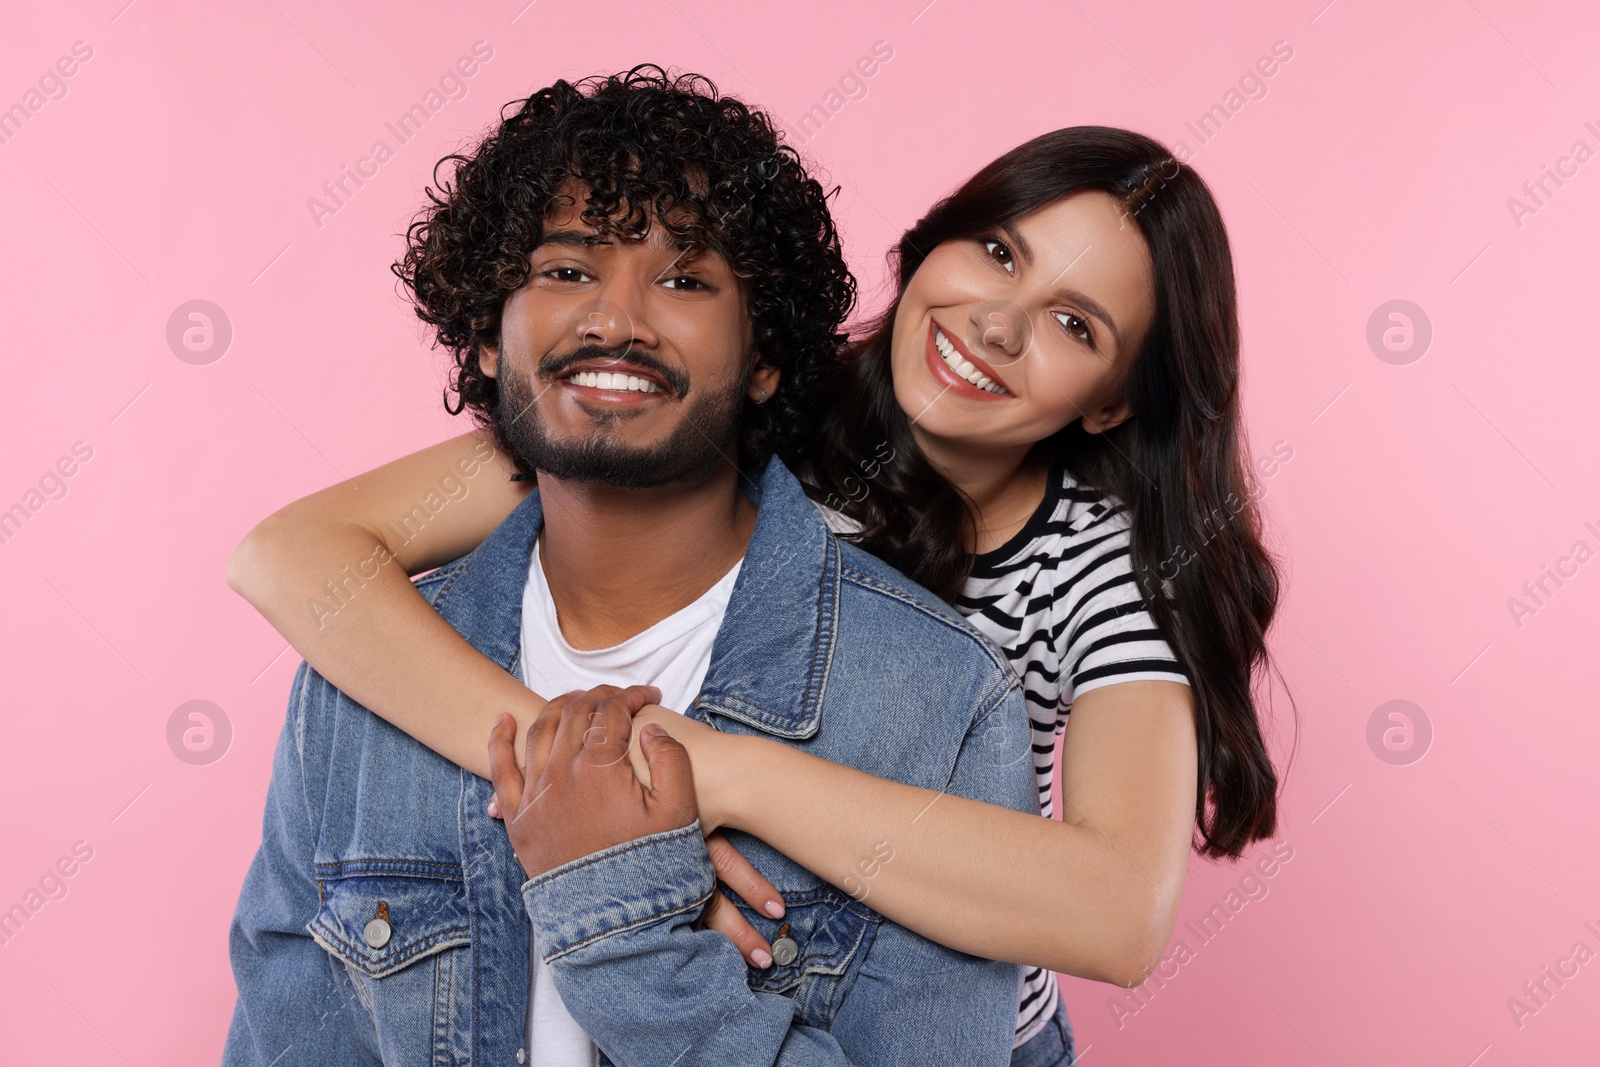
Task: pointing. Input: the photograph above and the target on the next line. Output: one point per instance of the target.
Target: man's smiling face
(622, 360)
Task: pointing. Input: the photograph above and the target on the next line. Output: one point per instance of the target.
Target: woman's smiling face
(1003, 339)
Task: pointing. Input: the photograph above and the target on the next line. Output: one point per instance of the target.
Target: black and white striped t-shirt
(1060, 599)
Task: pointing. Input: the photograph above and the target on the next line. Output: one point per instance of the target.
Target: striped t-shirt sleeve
(1110, 635)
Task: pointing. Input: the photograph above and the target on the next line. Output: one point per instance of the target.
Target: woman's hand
(714, 757)
(735, 872)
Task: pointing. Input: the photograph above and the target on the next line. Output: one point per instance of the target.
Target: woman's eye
(1076, 325)
(686, 283)
(1000, 254)
(567, 274)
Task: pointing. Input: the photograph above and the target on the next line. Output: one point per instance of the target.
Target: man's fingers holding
(503, 772)
(650, 694)
(572, 732)
(641, 767)
(542, 734)
(671, 776)
(610, 726)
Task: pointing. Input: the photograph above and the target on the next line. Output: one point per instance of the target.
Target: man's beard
(706, 436)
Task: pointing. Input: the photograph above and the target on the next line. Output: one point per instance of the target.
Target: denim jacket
(386, 918)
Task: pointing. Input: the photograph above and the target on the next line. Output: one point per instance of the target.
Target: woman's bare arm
(331, 572)
(1095, 895)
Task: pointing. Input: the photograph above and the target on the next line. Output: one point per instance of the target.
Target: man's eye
(1000, 254)
(686, 283)
(567, 274)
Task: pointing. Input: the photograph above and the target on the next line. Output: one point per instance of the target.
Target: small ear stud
(764, 395)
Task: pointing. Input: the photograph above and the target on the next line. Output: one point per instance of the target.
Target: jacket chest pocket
(402, 930)
(817, 946)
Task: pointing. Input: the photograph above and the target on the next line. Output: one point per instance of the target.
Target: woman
(1043, 428)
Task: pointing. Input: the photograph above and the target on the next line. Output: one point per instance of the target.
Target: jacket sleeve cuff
(625, 887)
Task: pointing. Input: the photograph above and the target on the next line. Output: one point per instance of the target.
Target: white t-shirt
(672, 655)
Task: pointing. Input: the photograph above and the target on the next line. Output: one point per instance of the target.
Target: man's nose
(617, 318)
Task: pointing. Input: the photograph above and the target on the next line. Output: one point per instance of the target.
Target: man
(643, 290)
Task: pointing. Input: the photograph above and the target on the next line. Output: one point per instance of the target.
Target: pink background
(1419, 499)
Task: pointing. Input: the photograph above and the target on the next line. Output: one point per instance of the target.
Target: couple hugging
(722, 726)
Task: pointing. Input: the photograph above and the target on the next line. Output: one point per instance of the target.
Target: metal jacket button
(784, 950)
(376, 933)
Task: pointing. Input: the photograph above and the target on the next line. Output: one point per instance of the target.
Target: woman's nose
(1002, 327)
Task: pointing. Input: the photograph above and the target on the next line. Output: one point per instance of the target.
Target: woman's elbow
(1131, 967)
(251, 566)
(1145, 944)
(1125, 964)
(1131, 950)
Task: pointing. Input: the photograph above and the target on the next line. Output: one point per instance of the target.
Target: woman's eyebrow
(1071, 296)
(1018, 242)
(1075, 296)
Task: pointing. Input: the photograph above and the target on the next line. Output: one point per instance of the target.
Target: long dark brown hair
(1178, 464)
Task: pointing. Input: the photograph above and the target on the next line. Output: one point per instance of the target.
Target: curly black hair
(652, 148)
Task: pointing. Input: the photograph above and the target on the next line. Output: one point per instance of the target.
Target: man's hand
(733, 870)
(580, 794)
(723, 763)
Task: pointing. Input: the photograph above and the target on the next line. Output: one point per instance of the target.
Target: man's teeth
(607, 380)
(960, 366)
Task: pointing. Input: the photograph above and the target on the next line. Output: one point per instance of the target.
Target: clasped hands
(608, 766)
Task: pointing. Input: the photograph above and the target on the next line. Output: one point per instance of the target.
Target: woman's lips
(952, 381)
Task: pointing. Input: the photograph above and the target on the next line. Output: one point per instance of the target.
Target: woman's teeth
(960, 366)
(606, 380)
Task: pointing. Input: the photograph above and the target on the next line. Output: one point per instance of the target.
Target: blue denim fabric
(822, 646)
(1051, 1047)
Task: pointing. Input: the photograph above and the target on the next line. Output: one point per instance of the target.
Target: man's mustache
(554, 366)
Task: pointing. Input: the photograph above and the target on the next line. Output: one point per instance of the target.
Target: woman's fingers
(720, 915)
(736, 871)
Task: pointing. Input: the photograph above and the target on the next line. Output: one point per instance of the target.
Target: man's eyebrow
(579, 239)
(573, 238)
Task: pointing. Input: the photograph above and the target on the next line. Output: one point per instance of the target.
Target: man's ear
(489, 360)
(763, 381)
(1108, 417)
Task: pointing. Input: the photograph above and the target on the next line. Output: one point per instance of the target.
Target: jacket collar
(769, 663)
